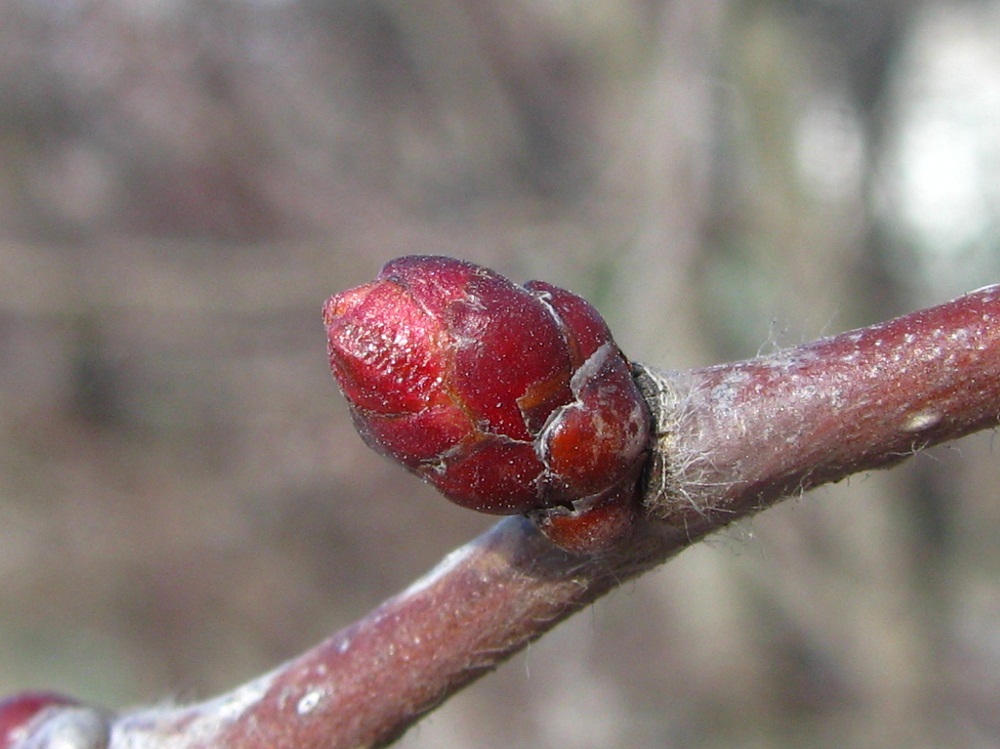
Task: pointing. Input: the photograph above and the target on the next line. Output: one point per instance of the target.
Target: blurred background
(183, 500)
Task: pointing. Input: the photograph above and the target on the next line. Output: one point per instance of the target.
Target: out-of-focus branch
(731, 440)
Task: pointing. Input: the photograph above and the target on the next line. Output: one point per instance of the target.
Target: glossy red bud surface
(507, 398)
(592, 528)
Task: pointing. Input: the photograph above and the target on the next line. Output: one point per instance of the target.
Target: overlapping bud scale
(507, 398)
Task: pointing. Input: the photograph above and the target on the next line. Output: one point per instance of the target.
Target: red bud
(19, 710)
(507, 398)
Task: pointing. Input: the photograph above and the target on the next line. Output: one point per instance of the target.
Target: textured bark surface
(735, 437)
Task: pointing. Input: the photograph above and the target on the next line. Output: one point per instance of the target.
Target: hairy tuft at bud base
(509, 399)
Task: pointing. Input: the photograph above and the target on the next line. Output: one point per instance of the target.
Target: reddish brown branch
(732, 439)
(739, 436)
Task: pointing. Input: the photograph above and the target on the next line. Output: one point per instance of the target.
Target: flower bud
(507, 398)
(18, 712)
